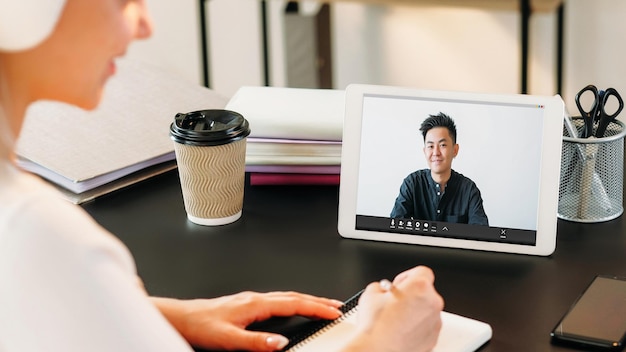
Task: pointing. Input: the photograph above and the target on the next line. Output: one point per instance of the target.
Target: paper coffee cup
(210, 147)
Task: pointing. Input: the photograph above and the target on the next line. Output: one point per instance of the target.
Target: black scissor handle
(607, 94)
(588, 115)
(605, 119)
(591, 112)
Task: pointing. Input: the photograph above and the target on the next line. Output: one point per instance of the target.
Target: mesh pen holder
(592, 175)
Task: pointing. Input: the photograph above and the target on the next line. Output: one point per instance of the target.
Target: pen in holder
(592, 173)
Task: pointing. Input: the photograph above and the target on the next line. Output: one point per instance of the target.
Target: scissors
(597, 111)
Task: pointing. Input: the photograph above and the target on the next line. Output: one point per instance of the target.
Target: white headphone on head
(26, 23)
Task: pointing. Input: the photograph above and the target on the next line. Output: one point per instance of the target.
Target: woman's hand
(403, 316)
(221, 323)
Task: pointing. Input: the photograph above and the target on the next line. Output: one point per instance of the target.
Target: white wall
(424, 47)
(542, 60)
(175, 43)
(478, 50)
(595, 47)
(235, 37)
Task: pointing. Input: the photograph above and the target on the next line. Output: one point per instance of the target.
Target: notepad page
(458, 334)
(461, 334)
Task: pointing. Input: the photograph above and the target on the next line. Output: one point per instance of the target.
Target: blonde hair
(6, 136)
(7, 139)
(7, 142)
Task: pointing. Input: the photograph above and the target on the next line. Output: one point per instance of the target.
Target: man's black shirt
(420, 198)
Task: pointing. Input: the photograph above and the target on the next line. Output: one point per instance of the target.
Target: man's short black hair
(439, 120)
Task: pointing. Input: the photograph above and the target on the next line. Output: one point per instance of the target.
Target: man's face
(439, 150)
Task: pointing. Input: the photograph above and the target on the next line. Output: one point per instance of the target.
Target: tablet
(494, 188)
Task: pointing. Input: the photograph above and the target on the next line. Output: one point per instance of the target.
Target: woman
(66, 284)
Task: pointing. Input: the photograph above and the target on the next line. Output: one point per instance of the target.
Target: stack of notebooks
(125, 140)
(296, 134)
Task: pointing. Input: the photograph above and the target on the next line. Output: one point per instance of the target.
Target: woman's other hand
(220, 323)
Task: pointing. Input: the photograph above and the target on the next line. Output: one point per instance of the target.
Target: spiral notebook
(458, 333)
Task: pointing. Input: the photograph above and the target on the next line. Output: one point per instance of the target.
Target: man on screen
(440, 193)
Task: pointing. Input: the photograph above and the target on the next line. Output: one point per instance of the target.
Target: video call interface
(499, 150)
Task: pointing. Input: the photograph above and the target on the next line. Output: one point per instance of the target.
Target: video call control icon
(415, 225)
(406, 224)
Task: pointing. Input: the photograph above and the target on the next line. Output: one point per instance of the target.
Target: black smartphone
(597, 320)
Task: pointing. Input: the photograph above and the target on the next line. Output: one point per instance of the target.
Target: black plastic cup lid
(209, 127)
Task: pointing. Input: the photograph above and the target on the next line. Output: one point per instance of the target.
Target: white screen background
(499, 149)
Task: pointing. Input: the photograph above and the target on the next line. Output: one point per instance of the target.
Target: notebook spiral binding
(300, 340)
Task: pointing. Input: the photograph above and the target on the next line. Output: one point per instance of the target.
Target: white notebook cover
(291, 113)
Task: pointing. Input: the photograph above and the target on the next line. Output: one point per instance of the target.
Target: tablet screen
(451, 167)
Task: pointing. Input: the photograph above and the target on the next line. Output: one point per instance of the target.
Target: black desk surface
(287, 240)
